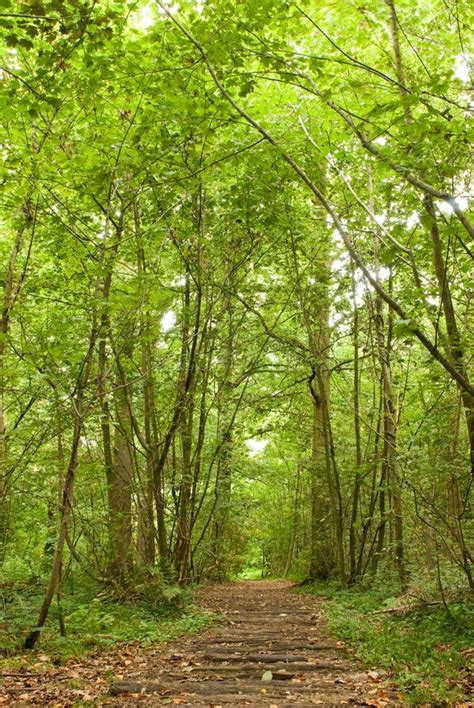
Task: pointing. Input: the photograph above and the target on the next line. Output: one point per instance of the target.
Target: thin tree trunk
(358, 474)
(8, 299)
(323, 459)
(61, 469)
(223, 484)
(390, 446)
(146, 527)
(146, 523)
(189, 357)
(294, 522)
(454, 338)
(333, 480)
(363, 562)
(68, 489)
(121, 492)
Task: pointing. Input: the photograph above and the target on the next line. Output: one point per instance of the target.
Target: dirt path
(267, 628)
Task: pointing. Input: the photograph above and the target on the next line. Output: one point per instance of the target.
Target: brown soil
(270, 649)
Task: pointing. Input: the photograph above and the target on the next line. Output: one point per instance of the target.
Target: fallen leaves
(381, 698)
(374, 675)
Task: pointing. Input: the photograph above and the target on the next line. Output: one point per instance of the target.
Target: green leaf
(402, 328)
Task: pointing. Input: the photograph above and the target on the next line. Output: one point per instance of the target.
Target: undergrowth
(424, 651)
(250, 573)
(94, 620)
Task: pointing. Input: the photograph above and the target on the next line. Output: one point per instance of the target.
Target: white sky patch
(445, 207)
(462, 69)
(168, 321)
(272, 357)
(412, 220)
(256, 446)
(299, 47)
(337, 236)
(433, 300)
(88, 442)
(463, 203)
(360, 290)
(335, 317)
(178, 281)
(383, 273)
(380, 140)
(362, 286)
(173, 9)
(340, 264)
(143, 18)
(12, 56)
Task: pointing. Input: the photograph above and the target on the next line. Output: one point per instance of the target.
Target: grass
(421, 650)
(250, 573)
(93, 621)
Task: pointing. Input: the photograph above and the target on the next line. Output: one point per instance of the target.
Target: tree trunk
(68, 490)
(294, 522)
(390, 446)
(146, 550)
(354, 566)
(189, 356)
(454, 339)
(8, 299)
(120, 498)
(224, 422)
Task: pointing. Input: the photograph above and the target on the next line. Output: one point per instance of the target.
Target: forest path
(267, 628)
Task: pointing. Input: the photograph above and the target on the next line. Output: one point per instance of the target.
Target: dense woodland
(236, 294)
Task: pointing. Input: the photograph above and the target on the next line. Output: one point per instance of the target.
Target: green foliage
(250, 573)
(421, 649)
(94, 619)
(134, 190)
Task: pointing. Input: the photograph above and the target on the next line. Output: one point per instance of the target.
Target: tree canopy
(237, 307)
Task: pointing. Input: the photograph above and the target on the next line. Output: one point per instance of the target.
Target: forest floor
(270, 648)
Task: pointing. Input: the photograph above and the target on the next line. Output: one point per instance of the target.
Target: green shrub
(94, 619)
(422, 650)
